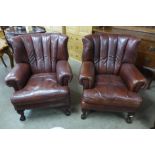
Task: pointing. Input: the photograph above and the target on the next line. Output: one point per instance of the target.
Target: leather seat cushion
(111, 92)
(40, 88)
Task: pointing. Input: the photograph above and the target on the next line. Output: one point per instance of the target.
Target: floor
(53, 118)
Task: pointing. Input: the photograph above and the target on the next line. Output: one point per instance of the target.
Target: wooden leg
(3, 62)
(22, 117)
(84, 114)
(9, 53)
(67, 111)
(130, 117)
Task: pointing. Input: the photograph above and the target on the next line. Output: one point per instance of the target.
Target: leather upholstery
(41, 51)
(108, 75)
(42, 72)
(135, 79)
(87, 74)
(18, 76)
(63, 72)
(108, 52)
(41, 88)
(111, 92)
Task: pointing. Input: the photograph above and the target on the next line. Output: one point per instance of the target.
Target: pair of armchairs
(108, 75)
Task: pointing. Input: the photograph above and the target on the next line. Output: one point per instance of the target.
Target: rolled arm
(64, 72)
(132, 77)
(87, 74)
(18, 76)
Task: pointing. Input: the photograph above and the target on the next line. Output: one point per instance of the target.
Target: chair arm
(18, 76)
(87, 74)
(132, 77)
(64, 72)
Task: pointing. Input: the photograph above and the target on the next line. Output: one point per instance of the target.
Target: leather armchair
(42, 72)
(108, 75)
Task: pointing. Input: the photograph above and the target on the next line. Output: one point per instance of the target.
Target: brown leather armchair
(108, 75)
(42, 72)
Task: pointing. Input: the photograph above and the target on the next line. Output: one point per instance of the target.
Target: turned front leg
(84, 114)
(22, 116)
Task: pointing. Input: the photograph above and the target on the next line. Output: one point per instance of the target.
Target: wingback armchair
(42, 72)
(108, 75)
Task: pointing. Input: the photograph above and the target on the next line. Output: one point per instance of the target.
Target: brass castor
(22, 117)
(130, 117)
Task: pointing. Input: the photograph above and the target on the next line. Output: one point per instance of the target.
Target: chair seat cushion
(110, 92)
(40, 88)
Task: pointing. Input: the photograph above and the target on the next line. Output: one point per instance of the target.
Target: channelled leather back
(109, 51)
(41, 51)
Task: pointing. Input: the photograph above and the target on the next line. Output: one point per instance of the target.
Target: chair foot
(130, 117)
(84, 114)
(67, 111)
(22, 117)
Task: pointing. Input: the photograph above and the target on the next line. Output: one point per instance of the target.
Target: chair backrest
(109, 51)
(41, 51)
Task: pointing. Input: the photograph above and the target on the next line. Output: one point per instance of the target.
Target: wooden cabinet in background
(56, 29)
(146, 58)
(75, 45)
(146, 49)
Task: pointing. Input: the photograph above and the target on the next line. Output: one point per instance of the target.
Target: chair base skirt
(87, 108)
(129, 118)
(65, 106)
